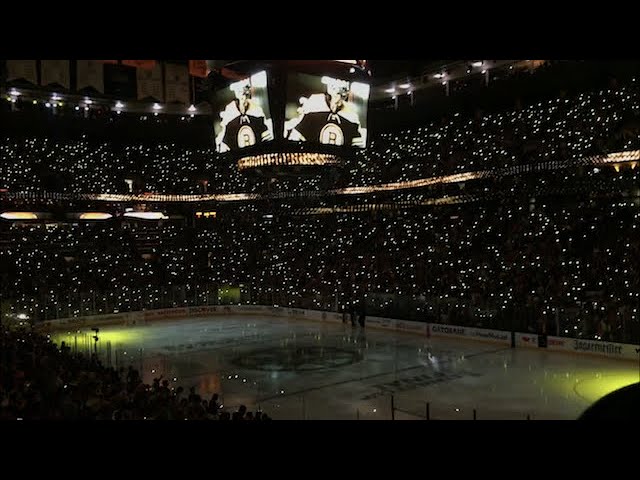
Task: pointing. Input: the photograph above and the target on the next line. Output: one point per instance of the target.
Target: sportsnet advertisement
(326, 110)
(242, 117)
(593, 347)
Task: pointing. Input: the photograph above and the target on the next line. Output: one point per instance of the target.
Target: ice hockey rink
(299, 369)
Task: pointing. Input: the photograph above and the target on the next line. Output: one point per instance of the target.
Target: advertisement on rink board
(527, 340)
(380, 322)
(411, 327)
(498, 336)
(593, 347)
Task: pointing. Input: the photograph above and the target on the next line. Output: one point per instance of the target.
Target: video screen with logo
(326, 110)
(241, 114)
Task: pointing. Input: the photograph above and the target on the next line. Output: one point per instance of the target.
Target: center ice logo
(297, 358)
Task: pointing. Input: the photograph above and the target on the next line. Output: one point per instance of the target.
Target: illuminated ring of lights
(287, 159)
(297, 358)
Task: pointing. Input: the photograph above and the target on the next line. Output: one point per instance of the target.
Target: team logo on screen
(331, 134)
(246, 137)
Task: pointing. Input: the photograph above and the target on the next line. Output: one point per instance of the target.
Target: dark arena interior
(319, 240)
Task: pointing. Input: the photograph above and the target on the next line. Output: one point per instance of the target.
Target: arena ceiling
(387, 73)
(391, 77)
(384, 70)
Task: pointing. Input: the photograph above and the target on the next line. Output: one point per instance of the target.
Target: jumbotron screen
(241, 114)
(326, 110)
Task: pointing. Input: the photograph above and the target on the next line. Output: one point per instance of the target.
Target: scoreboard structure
(298, 113)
